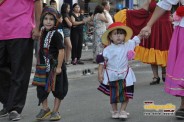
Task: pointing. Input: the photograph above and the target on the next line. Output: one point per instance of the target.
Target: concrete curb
(77, 71)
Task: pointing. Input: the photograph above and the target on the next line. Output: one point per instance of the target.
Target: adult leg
(74, 41)
(156, 79)
(5, 75)
(94, 50)
(21, 53)
(182, 102)
(163, 73)
(180, 112)
(79, 46)
(67, 49)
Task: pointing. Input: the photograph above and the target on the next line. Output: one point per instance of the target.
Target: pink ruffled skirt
(174, 84)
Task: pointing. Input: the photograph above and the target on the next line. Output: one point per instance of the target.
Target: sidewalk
(87, 68)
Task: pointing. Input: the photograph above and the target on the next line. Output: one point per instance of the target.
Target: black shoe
(14, 116)
(180, 113)
(80, 62)
(3, 113)
(155, 81)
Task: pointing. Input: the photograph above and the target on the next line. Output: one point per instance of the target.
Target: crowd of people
(60, 35)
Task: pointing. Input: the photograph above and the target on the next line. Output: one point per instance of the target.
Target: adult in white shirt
(107, 8)
(174, 84)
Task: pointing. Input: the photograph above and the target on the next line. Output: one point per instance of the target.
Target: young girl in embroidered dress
(114, 69)
(51, 53)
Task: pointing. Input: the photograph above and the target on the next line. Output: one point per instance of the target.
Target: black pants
(61, 88)
(15, 69)
(76, 40)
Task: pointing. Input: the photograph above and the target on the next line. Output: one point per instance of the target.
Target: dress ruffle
(151, 56)
(121, 16)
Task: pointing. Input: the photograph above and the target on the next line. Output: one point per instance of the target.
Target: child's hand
(58, 70)
(100, 78)
(140, 36)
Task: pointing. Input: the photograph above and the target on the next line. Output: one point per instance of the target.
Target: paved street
(85, 104)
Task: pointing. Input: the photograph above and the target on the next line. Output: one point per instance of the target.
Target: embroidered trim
(175, 88)
(173, 78)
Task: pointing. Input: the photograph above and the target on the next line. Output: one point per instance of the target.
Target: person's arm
(75, 23)
(146, 5)
(60, 20)
(103, 17)
(157, 13)
(38, 10)
(146, 31)
(100, 73)
(132, 43)
(162, 6)
(68, 22)
(60, 61)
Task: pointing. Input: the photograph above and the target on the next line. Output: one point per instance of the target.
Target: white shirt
(117, 61)
(167, 5)
(109, 18)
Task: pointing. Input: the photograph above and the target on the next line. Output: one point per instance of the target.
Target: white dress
(117, 62)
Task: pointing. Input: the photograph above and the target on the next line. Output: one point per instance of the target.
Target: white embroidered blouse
(117, 61)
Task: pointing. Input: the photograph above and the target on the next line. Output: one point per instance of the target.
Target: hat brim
(105, 39)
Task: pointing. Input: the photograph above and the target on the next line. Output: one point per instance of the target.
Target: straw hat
(114, 26)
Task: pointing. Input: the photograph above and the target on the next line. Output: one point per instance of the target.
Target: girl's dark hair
(52, 1)
(75, 5)
(104, 3)
(44, 5)
(98, 9)
(64, 7)
(119, 31)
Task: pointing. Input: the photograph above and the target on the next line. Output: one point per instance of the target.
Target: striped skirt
(119, 93)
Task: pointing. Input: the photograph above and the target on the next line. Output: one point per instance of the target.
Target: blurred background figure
(66, 24)
(53, 3)
(107, 7)
(100, 20)
(78, 21)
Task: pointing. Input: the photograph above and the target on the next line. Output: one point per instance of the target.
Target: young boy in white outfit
(114, 69)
